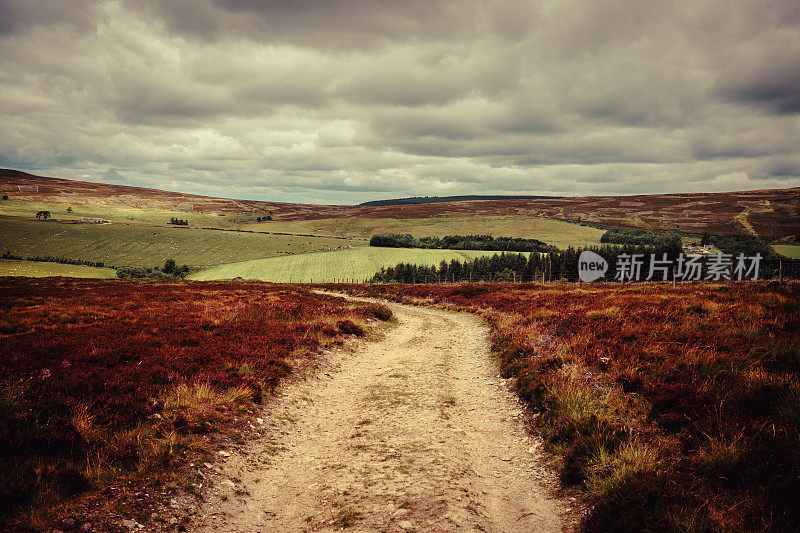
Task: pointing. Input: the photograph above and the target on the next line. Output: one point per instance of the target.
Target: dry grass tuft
(105, 382)
(673, 409)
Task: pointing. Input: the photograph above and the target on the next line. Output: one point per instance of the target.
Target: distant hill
(770, 213)
(464, 198)
(23, 186)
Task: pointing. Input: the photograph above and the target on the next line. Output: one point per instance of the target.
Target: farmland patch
(135, 245)
(357, 264)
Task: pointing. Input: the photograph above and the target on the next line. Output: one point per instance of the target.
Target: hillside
(770, 213)
(441, 199)
(21, 186)
(143, 246)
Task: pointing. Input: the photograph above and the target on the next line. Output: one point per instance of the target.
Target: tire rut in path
(414, 432)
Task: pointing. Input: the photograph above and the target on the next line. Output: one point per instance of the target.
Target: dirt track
(415, 432)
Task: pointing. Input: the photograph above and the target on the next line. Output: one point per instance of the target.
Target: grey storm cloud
(113, 174)
(323, 23)
(18, 15)
(353, 100)
(772, 78)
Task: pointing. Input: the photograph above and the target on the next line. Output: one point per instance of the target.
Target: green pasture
(557, 232)
(788, 250)
(355, 264)
(135, 245)
(114, 212)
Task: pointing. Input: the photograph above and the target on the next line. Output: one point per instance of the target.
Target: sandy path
(414, 432)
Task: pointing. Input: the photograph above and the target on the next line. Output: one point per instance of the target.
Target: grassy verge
(671, 409)
(122, 384)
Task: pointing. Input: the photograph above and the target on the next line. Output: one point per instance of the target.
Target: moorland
(672, 409)
(108, 385)
(659, 407)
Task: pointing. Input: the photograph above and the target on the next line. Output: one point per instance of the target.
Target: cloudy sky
(343, 101)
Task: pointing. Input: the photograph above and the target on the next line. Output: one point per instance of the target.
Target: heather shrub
(671, 409)
(107, 379)
(348, 327)
(379, 311)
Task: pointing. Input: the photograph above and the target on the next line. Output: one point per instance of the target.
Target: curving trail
(415, 432)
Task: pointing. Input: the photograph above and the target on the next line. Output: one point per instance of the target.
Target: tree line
(638, 237)
(461, 242)
(560, 265)
(169, 270)
(53, 259)
(727, 244)
(746, 244)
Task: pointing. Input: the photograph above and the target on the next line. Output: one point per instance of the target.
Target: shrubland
(669, 409)
(124, 382)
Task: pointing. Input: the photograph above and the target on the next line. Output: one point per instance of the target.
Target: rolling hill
(146, 246)
(770, 213)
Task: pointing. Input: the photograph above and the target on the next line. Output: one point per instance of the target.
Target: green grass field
(130, 210)
(353, 264)
(788, 250)
(33, 269)
(100, 208)
(556, 232)
(123, 245)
